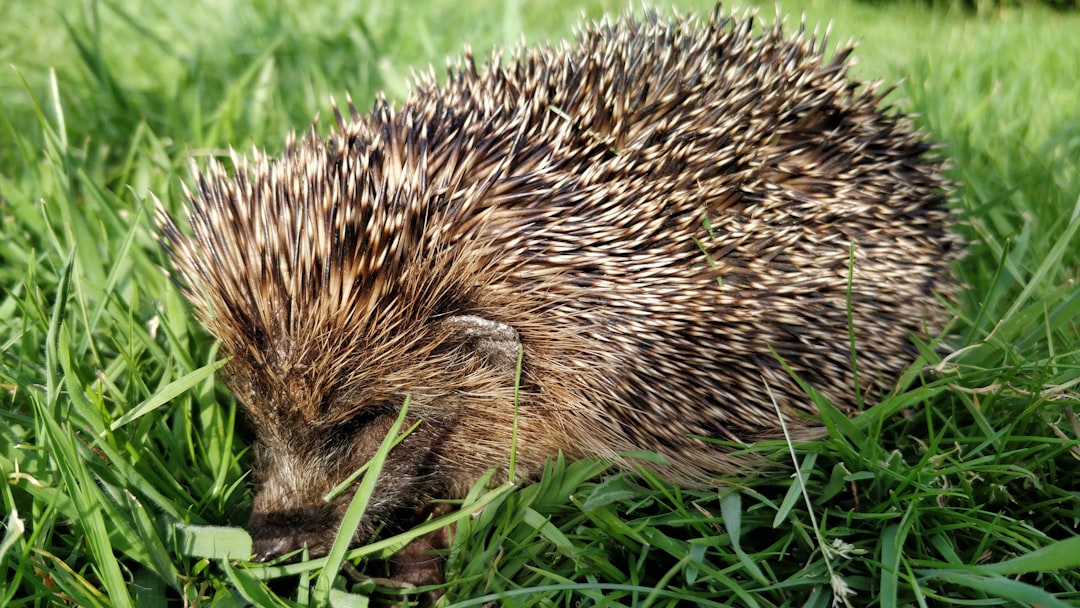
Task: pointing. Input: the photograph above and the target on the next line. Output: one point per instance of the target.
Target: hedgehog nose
(265, 549)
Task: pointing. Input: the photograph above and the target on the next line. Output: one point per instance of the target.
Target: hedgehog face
(295, 474)
(299, 460)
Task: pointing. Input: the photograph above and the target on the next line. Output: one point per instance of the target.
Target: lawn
(125, 478)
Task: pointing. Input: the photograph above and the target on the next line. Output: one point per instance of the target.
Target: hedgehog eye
(362, 418)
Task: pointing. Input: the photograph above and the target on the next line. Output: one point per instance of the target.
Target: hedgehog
(641, 240)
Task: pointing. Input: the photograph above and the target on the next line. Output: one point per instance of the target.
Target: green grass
(117, 447)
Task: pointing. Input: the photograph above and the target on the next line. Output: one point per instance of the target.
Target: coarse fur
(648, 213)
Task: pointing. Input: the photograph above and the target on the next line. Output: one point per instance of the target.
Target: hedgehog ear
(496, 343)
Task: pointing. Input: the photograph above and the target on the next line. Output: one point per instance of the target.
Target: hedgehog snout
(290, 510)
(278, 533)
